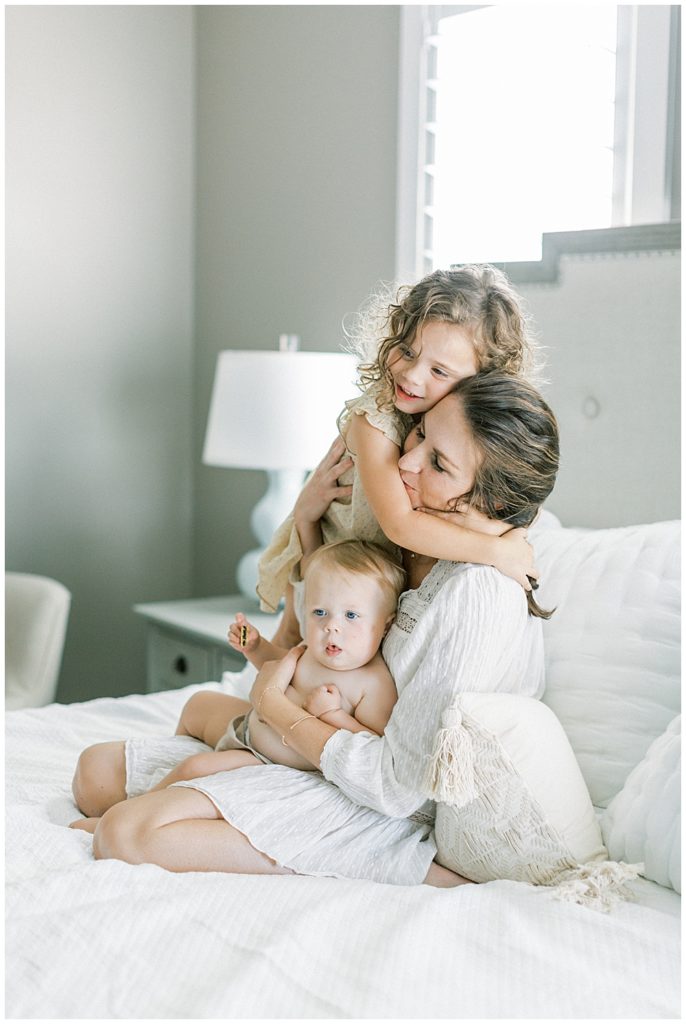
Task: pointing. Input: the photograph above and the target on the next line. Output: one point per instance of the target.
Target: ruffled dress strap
(395, 425)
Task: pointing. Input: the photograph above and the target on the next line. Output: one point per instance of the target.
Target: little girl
(449, 326)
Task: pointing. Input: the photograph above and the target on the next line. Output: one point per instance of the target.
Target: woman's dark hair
(517, 437)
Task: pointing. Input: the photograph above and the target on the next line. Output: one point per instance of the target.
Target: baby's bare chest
(310, 675)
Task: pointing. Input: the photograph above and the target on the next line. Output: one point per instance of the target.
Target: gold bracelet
(303, 719)
(264, 692)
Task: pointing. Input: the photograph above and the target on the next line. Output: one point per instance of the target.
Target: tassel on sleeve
(450, 771)
(599, 884)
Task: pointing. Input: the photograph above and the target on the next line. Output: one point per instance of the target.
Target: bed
(109, 940)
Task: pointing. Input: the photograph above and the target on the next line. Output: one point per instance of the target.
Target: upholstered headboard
(610, 325)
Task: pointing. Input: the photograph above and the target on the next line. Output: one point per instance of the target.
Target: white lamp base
(283, 488)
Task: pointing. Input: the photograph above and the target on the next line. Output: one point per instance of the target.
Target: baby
(351, 590)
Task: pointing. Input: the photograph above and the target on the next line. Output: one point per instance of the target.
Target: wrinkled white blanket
(109, 940)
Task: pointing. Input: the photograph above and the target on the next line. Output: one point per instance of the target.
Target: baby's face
(346, 616)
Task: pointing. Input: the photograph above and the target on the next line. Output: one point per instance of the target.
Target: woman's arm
(268, 697)
(377, 460)
(369, 776)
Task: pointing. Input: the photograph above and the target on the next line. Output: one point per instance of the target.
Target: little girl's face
(427, 369)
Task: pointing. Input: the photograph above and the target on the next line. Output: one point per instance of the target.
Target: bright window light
(524, 129)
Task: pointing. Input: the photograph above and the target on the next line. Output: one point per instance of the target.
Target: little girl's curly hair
(476, 296)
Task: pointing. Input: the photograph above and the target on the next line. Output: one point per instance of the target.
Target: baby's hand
(515, 558)
(243, 637)
(323, 699)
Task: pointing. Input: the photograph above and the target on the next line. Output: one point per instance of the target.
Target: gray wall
(99, 320)
(296, 151)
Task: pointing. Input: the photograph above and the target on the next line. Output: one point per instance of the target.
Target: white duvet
(109, 940)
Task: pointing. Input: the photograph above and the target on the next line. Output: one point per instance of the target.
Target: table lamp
(276, 411)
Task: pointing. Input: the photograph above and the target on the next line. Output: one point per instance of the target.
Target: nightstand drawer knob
(181, 665)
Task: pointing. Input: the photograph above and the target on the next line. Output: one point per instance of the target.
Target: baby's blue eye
(319, 611)
(351, 615)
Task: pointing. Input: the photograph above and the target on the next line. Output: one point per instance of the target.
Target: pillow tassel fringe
(450, 772)
(598, 884)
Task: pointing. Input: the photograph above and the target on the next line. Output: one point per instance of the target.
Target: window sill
(638, 238)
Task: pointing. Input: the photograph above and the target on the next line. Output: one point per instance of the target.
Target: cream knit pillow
(512, 802)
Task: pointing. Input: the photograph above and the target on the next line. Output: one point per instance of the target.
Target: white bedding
(110, 940)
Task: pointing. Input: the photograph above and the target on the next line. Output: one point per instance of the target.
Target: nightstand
(187, 642)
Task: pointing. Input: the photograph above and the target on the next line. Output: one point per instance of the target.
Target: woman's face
(441, 457)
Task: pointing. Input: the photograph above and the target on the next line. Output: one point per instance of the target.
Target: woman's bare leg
(444, 878)
(288, 633)
(206, 716)
(178, 829)
(100, 778)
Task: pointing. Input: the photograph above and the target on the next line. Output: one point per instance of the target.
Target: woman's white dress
(366, 815)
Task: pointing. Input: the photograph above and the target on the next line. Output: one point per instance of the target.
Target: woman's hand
(275, 675)
(322, 487)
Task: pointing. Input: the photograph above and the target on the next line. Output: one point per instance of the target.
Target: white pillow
(519, 807)
(643, 822)
(612, 647)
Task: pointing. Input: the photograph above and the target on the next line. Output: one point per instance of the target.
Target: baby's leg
(288, 633)
(206, 716)
(199, 765)
(100, 778)
(444, 878)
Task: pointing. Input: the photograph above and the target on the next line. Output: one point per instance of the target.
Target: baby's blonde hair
(363, 558)
(476, 295)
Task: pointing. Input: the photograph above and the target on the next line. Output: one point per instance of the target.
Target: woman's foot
(85, 824)
(444, 878)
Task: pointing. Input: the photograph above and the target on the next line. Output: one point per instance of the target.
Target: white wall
(296, 150)
(99, 320)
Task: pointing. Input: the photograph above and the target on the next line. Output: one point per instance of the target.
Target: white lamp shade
(276, 410)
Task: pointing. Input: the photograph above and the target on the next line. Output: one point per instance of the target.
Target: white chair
(36, 615)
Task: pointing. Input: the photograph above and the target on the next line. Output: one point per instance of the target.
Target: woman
(487, 452)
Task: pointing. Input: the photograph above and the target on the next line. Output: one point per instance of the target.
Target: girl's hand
(322, 487)
(515, 558)
(252, 636)
(323, 699)
(275, 674)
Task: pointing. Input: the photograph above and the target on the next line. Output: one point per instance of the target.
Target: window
(519, 120)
